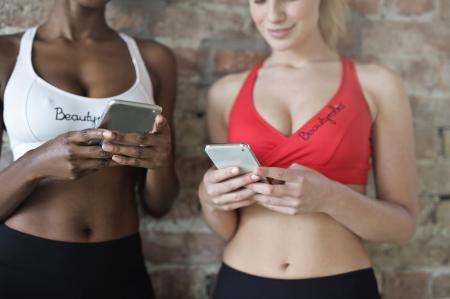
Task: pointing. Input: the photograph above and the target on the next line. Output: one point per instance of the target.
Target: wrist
(332, 201)
(31, 162)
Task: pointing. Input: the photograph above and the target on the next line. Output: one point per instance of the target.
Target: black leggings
(234, 284)
(33, 267)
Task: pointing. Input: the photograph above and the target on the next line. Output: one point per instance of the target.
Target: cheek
(256, 14)
(304, 11)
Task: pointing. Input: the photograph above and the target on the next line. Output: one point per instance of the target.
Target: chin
(280, 45)
(92, 3)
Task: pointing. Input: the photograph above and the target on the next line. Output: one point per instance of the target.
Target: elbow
(409, 230)
(409, 226)
(406, 236)
(163, 205)
(163, 210)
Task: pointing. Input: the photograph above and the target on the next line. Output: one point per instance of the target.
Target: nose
(276, 12)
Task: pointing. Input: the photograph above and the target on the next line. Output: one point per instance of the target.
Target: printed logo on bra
(334, 110)
(60, 115)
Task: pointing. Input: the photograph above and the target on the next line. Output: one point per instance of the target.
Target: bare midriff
(275, 245)
(98, 207)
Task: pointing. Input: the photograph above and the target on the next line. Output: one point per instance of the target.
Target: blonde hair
(333, 21)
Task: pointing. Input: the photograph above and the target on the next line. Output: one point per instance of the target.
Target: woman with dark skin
(68, 208)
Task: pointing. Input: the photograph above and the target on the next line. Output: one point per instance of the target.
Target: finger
(215, 175)
(276, 173)
(92, 152)
(283, 210)
(145, 139)
(237, 205)
(160, 124)
(95, 164)
(129, 150)
(232, 184)
(233, 197)
(288, 189)
(84, 136)
(130, 161)
(277, 201)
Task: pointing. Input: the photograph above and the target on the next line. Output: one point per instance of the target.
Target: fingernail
(235, 171)
(255, 177)
(107, 146)
(107, 134)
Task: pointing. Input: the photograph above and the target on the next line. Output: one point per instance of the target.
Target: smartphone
(232, 154)
(129, 117)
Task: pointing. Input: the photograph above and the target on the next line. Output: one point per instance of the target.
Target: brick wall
(215, 37)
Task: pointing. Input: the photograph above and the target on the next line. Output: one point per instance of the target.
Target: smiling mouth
(280, 32)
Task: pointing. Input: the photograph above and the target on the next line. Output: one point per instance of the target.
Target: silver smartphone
(232, 154)
(129, 117)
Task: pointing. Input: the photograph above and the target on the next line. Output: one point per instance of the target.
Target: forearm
(371, 219)
(160, 189)
(223, 223)
(17, 182)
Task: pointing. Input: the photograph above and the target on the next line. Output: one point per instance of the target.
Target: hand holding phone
(232, 154)
(146, 150)
(223, 187)
(129, 117)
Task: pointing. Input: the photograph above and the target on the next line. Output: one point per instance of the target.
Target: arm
(393, 216)
(16, 181)
(390, 218)
(219, 199)
(161, 184)
(159, 187)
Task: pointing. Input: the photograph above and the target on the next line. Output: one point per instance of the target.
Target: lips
(280, 32)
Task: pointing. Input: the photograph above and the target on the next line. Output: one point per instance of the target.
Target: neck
(71, 21)
(311, 49)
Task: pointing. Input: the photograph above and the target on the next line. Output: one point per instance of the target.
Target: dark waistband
(236, 284)
(19, 249)
(356, 273)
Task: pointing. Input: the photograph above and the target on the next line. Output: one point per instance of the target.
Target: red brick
(405, 39)
(365, 6)
(190, 60)
(195, 23)
(180, 283)
(444, 11)
(406, 285)
(441, 286)
(126, 18)
(408, 7)
(236, 60)
(181, 248)
(191, 130)
(412, 255)
(24, 13)
(192, 97)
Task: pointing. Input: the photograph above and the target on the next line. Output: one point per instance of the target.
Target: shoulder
(9, 43)
(225, 90)
(9, 48)
(155, 54)
(382, 86)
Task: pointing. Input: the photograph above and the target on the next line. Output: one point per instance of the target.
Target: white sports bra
(36, 111)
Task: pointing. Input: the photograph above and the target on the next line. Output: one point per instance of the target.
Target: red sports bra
(335, 141)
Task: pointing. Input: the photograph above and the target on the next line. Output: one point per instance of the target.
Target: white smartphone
(232, 154)
(129, 117)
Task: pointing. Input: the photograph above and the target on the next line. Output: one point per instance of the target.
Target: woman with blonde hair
(317, 122)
